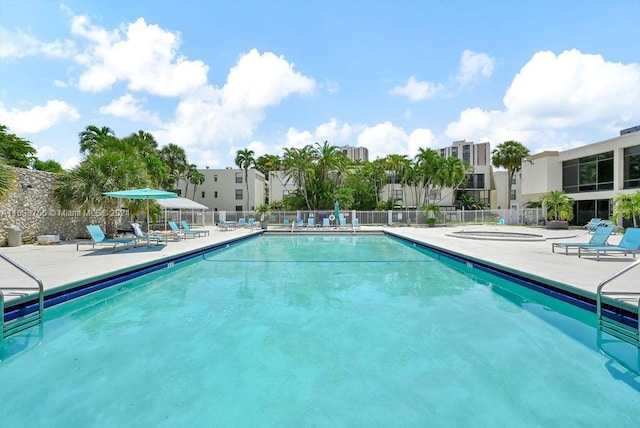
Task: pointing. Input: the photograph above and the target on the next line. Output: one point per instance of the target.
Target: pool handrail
(26, 321)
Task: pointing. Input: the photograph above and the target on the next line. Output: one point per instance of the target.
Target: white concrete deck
(60, 266)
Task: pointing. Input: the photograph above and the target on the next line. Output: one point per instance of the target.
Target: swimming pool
(318, 330)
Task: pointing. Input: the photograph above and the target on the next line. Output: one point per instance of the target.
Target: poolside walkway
(60, 265)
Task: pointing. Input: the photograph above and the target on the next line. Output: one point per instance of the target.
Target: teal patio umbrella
(145, 193)
(336, 211)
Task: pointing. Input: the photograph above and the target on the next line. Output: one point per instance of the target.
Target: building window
(513, 195)
(443, 153)
(397, 195)
(588, 174)
(454, 152)
(203, 194)
(215, 178)
(215, 194)
(631, 168)
(514, 179)
(238, 178)
(475, 181)
(466, 153)
(238, 207)
(238, 194)
(481, 154)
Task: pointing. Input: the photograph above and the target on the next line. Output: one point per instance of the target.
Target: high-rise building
(355, 153)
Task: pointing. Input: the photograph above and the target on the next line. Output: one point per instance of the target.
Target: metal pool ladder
(620, 330)
(26, 321)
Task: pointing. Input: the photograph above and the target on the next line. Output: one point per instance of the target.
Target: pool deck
(59, 266)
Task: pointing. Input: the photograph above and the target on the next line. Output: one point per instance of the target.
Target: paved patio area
(60, 266)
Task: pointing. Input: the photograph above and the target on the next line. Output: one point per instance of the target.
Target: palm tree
(627, 206)
(509, 155)
(94, 138)
(175, 160)
(83, 186)
(395, 164)
(559, 205)
(298, 166)
(245, 160)
(197, 178)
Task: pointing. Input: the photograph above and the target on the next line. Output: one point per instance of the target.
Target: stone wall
(33, 209)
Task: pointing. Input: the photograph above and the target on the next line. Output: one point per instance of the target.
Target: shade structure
(336, 211)
(181, 204)
(145, 193)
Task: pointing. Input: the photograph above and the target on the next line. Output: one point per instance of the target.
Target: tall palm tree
(244, 160)
(394, 164)
(509, 155)
(298, 166)
(144, 144)
(175, 160)
(94, 138)
(196, 178)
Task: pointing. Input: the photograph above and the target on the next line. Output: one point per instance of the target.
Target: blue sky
(393, 76)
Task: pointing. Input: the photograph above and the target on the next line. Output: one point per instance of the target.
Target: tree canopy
(16, 151)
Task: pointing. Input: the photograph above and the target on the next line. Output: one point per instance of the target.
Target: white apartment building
(593, 175)
(226, 190)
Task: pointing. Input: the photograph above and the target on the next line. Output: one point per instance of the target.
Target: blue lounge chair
(356, 224)
(311, 222)
(183, 233)
(199, 232)
(593, 224)
(299, 223)
(326, 223)
(629, 244)
(140, 235)
(251, 223)
(343, 223)
(240, 222)
(98, 238)
(598, 239)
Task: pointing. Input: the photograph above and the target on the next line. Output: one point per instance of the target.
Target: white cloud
(45, 152)
(37, 118)
(418, 90)
(59, 84)
(472, 65)
(213, 117)
(71, 163)
(145, 56)
(262, 80)
(552, 94)
(131, 108)
(383, 139)
(20, 44)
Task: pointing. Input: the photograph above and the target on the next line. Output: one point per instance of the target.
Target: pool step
(621, 331)
(617, 329)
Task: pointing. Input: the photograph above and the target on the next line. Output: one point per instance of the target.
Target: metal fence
(527, 217)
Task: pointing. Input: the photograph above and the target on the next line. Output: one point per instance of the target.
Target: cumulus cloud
(418, 90)
(553, 93)
(228, 115)
(143, 55)
(262, 80)
(20, 44)
(386, 138)
(131, 108)
(38, 118)
(472, 67)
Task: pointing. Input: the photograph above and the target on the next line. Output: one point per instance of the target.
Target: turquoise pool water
(317, 331)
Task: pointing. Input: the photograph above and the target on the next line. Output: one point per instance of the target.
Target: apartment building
(226, 190)
(593, 175)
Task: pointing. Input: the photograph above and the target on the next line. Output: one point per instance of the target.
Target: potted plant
(262, 212)
(559, 208)
(430, 211)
